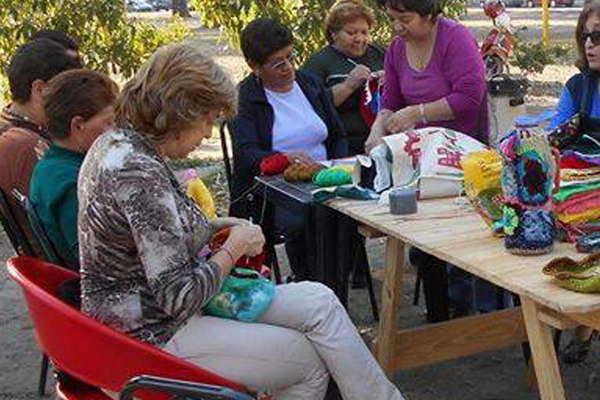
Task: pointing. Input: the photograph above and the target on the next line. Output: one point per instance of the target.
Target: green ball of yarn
(332, 177)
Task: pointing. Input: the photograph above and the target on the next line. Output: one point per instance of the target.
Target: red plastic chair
(95, 356)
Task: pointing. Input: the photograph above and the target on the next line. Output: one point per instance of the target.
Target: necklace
(420, 55)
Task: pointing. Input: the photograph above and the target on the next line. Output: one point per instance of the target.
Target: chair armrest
(191, 390)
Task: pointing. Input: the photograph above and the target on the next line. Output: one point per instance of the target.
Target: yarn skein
(274, 164)
(332, 177)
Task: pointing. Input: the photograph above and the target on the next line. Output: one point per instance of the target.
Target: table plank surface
(451, 230)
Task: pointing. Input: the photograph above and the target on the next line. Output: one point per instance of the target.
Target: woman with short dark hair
(285, 111)
(79, 107)
(434, 74)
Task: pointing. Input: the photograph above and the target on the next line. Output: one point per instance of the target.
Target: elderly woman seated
(346, 63)
(281, 110)
(141, 240)
(79, 107)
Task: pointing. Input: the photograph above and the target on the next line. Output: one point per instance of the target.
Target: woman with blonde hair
(142, 239)
(346, 63)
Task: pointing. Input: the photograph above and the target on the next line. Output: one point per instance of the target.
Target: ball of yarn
(332, 177)
(274, 164)
(301, 172)
(197, 191)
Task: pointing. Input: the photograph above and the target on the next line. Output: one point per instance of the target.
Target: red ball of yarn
(274, 164)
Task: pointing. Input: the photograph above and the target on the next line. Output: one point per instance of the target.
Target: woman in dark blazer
(285, 111)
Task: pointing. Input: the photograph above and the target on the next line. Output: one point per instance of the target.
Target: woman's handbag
(245, 296)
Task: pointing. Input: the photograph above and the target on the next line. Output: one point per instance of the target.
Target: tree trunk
(180, 7)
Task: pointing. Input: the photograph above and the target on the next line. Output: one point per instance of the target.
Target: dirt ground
(496, 375)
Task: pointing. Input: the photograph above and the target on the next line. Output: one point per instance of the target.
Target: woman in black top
(346, 63)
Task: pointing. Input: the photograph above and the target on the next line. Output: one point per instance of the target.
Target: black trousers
(291, 226)
(435, 284)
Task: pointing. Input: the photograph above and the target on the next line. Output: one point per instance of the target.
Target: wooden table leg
(391, 295)
(543, 353)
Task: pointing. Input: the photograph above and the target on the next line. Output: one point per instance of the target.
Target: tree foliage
(109, 41)
(304, 17)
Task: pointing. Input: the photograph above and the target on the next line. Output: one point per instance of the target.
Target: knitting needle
(351, 61)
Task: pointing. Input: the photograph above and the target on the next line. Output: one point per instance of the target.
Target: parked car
(138, 5)
(160, 5)
(551, 3)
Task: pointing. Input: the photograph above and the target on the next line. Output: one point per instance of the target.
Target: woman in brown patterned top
(141, 241)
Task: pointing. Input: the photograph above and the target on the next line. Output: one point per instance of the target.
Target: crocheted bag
(529, 172)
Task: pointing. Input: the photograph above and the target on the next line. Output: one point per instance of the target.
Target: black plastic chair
(48, 249)
(16, 235)
(271, 241)
(21, 246)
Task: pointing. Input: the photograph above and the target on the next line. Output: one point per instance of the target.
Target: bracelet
(422, 113)
(226, 250)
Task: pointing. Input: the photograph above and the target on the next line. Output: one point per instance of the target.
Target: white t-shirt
(297, 127)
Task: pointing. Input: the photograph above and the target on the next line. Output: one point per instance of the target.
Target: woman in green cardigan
(79, 107)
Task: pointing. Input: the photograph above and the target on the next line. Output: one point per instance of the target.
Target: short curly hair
(263, 37)
(345, 11)
(172, 90)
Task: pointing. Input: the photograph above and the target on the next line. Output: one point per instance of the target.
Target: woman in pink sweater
(434, 74)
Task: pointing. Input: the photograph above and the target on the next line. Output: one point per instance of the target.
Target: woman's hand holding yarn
(248, 238)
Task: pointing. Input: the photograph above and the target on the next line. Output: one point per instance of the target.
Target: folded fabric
(579, 203)
(571, 161)
(585, 216)
(349, 192)
(593, 159)
(576, 174)
(569, 191)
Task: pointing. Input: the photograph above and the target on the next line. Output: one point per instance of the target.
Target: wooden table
(452, 231)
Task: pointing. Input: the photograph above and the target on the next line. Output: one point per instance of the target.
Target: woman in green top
(79, 107)
(346, 64)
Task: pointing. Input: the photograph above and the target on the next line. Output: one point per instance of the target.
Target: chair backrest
(16, 235)
(48, 249)
(86, 349)
(223, 128)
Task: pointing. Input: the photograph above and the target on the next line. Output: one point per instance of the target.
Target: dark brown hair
(79, 92)
(425, 8)
(589, 10)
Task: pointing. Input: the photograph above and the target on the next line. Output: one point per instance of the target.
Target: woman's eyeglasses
(282, 65)
(594, 36)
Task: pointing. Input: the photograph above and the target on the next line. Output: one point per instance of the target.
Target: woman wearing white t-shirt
(281, 110)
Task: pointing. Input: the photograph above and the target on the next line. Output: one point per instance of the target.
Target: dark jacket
(252, 137)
